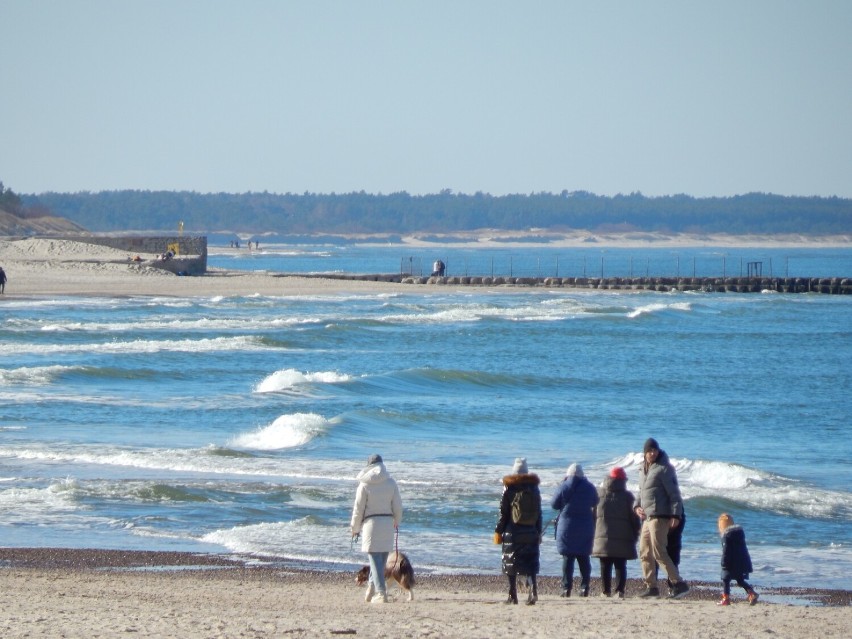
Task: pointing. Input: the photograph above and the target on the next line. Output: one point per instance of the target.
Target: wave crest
(287, 431)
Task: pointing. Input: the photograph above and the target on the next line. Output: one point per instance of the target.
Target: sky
(333, 96)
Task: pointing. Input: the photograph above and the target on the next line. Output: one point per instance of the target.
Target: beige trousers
(652, 551)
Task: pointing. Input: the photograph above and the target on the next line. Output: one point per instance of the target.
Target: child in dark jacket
(736, 561)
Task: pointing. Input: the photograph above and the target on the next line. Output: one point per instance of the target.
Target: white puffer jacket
(377, 510)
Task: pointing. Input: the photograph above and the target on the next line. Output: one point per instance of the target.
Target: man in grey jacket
(660, 507)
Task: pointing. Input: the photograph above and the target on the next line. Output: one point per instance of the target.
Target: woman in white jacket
(375, 516)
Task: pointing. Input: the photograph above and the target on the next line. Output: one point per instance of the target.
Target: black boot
(532, 597)
(513, 590)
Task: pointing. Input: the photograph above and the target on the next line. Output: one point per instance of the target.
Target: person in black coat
(736, 561)
(520, 533)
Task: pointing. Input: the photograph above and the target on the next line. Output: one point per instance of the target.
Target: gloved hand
(498, 538)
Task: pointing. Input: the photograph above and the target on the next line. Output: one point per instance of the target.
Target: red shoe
(724, 601)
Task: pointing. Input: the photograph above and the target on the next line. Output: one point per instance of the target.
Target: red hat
(618, 473)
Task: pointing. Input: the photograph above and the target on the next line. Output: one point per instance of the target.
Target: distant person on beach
(575, 499)
(375, 517)
(617, 529)
(438, 268)
(519, 529)
(736, 561)
(2, 281)
(660, 506)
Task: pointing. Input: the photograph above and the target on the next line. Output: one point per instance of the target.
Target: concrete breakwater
(824, 285)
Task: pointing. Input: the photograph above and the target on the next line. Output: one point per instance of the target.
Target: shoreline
(83, 593)
(57, 267)
(88, 559)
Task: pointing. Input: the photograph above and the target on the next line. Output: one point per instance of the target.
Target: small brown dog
(398, 568)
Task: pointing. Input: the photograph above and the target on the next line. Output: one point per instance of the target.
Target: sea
(236, 424)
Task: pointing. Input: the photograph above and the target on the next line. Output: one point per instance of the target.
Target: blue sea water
(238, 423)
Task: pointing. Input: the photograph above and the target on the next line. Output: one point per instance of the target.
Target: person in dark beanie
(660, 507)
(519, 529)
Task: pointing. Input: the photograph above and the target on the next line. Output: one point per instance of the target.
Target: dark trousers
(584, 563)
(741, 582)
(620, 565)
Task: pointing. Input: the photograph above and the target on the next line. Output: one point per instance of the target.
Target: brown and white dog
(398, 568)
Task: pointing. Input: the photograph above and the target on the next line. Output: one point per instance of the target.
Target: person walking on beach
(660, 507)
(519, 529)
(575, 527)
(617, 529)
(2, 281)
(376, 516)
(736, 561)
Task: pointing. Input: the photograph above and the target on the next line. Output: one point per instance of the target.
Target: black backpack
(525, 507)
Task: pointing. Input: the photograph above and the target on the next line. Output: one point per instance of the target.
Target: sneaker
(724, 601)
(371, 590)
(619, 595)
(531, 599)
(379, 598)
(511, 600)
(584, 592)
(752, 598)
(565, 593)
(650, 592)
(605, 594)
(679, 590)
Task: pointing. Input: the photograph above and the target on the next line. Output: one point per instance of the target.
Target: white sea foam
(751, 487)
(287, 431)
(34, 375)
(216, 344)
(289, 378)
(650, 309)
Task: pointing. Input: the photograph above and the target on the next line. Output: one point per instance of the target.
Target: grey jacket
(659, 495)
(617, 526)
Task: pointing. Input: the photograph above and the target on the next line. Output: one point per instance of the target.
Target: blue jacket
(575, 500)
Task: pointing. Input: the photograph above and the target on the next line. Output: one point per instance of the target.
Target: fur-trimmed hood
(524, 479)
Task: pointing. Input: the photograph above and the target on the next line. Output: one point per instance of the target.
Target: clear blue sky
(663, 97)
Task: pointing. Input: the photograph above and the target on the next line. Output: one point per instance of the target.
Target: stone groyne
(824, 285)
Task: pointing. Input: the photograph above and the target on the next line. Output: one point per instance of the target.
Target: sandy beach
(78, 593)
(61, 267)
(74, 593)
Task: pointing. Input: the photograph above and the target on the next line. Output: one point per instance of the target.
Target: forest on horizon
(364, 213)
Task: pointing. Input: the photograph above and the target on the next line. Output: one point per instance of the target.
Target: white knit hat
(520, 467)
(574, 470)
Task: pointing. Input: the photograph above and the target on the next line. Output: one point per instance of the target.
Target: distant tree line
(444, 212)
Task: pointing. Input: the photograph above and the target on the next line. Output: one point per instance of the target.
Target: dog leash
(396, 547)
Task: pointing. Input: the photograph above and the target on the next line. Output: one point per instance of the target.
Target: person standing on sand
(519, 529)
(2, 281)
(616, 531)
(736, 560)
(376, 516)
(575, 527)
(659, 506)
